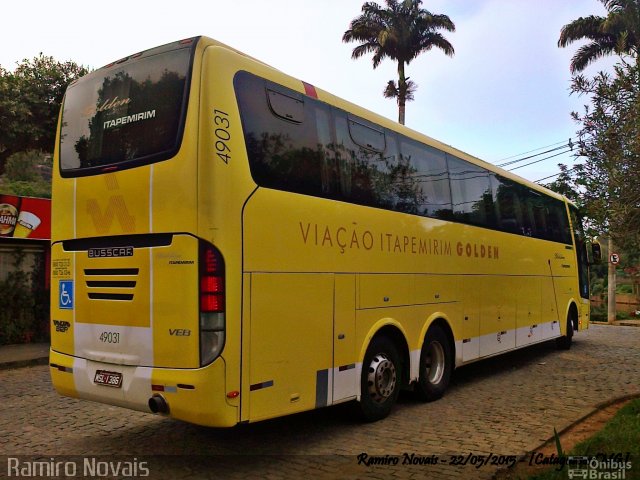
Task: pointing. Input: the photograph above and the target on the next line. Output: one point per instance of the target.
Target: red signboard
(25, 217)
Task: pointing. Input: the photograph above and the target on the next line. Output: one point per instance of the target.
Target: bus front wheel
(564, 342)
(435, 365)
(380, 380)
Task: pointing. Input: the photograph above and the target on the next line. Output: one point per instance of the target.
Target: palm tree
(401, 32)
(618, 33)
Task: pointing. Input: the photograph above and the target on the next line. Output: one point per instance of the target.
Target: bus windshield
(127, 114)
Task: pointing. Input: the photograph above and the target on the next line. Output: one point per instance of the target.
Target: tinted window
(286, 106)
(360, 169)
(131, 112)
(507, 200)
(298, 144)
(557, 222)
(581, 252)
(470, 193)
(427, 176)
(365, 136)
(287, 139)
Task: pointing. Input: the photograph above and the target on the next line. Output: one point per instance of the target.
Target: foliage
(27, 174)
(606, 184)
(30, 99)
(400, 32)
(24, 316)
(617, 33)
(22, 166)
(618, 438)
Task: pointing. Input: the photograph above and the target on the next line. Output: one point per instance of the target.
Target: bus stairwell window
(286, 107)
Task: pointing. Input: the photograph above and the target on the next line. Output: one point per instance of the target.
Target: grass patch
(618, 440)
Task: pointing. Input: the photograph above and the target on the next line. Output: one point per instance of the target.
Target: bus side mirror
(596, 253)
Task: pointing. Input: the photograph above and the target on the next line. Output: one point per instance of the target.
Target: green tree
(618, 33)
(607, 181)
(400, 32)
(30, 99)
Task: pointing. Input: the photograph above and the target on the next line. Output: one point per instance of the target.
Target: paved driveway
(503, 406)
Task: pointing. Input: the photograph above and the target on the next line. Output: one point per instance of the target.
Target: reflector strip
(310, 90)
(163, 388)
(61, 368)
(346, 367)
(258, 386)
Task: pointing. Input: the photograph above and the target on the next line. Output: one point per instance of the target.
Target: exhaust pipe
(157, 404)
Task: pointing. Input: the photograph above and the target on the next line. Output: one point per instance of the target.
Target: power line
(541, 159)
(534, 150)
(568, 144)
(555, 174)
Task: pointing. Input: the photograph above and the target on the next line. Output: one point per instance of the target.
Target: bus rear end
(137, 296)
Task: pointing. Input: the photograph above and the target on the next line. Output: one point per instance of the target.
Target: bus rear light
(212, 303)
(211, 284)
(210, 261)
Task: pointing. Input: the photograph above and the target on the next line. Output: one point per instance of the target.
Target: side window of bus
(508, 212)
(470, 193)
(358, 165)
(557, 222)
(423, 180)
(539, 212)
(384, 184)
(526, 208)
(281, 136)
(328, 169)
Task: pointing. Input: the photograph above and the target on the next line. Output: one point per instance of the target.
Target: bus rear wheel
(380, 379)
(435, 365)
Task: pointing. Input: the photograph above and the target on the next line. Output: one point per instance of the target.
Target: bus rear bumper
(190, 394)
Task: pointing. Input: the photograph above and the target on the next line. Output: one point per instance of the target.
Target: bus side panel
(528, 329)
(497, 315)
(291, 347)
(346, 371)
(470, 328)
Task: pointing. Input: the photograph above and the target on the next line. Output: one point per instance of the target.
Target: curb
(24, 363)
(598, 407)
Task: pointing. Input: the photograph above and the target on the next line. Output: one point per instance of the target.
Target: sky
(504, 92)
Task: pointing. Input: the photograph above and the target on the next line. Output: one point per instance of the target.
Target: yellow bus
(231, 244)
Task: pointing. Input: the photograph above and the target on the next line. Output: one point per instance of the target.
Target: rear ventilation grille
(111, 289)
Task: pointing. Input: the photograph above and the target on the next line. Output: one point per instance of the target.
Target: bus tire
(436, 365)
(380, 380)
(564, 342)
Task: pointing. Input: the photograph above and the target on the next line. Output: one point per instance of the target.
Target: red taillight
(210, 261)
(211, 303)
(211, 284)
(212, 296)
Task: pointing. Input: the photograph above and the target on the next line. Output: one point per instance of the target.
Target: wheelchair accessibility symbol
(66, 295)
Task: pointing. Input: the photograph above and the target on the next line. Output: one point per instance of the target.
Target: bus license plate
(110, 379)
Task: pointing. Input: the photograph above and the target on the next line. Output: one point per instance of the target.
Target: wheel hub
(381, 378)
(435, 363)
